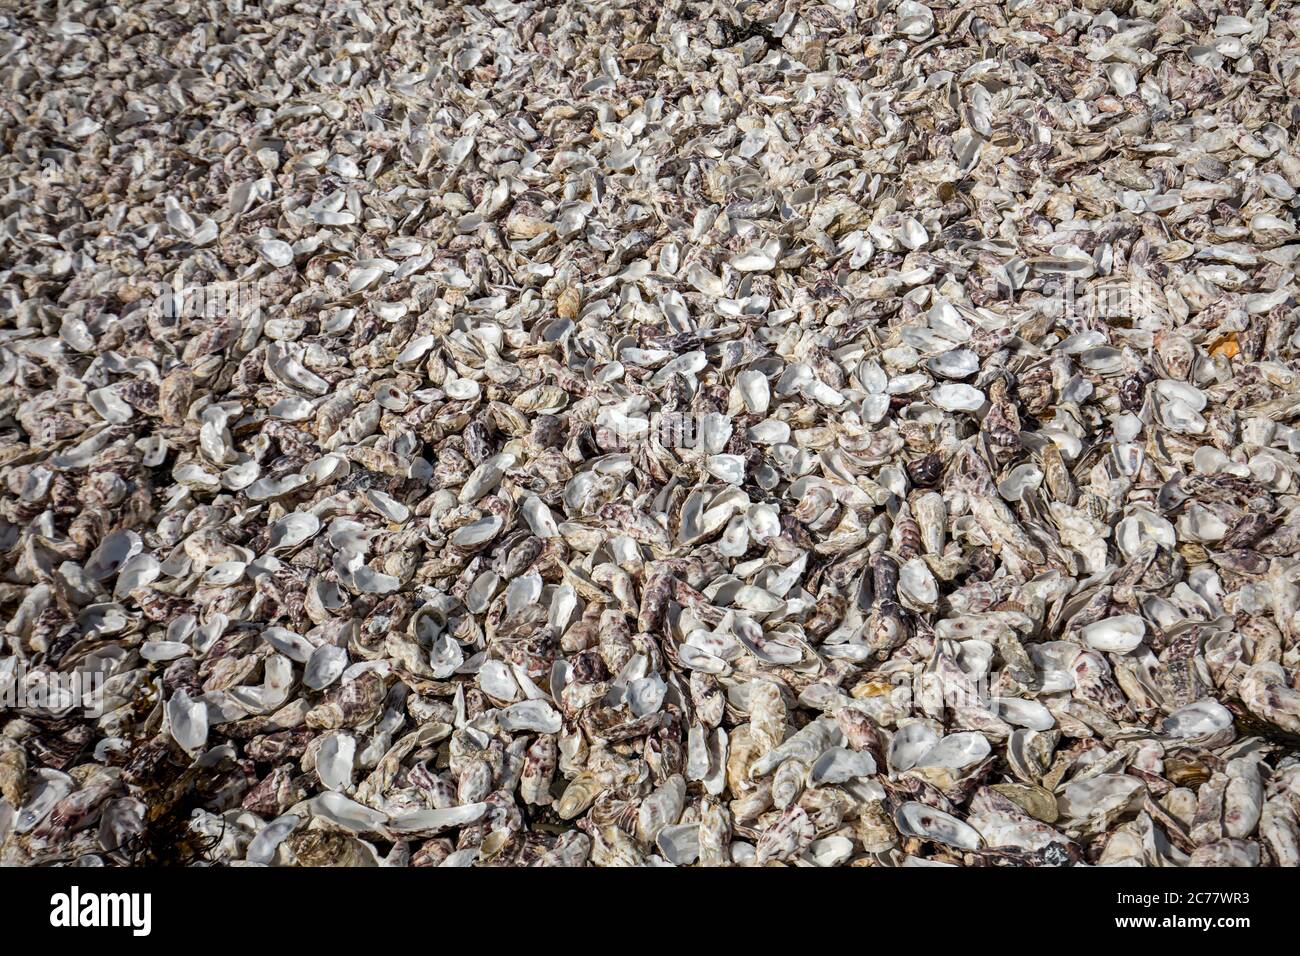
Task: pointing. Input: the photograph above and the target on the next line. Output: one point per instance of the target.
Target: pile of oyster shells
(979, 544)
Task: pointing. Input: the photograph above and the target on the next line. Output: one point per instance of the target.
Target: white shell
(1117, 635)
(926, 823)
(916, 585)
(293, 529)
(532, 715)
(955, 752)
(276, 251)
(957, 398)
(910, 743)
(334, 761)
(188, 721)
(325, 666)
(840, 765)
(1198, 719)
(954, 363)
(1023, 713)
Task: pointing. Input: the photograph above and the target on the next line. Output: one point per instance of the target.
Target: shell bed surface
(649, 433)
